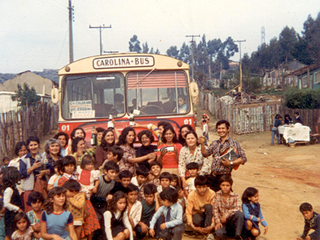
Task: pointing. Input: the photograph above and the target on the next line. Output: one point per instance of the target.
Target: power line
(100, 30)
(192, 53)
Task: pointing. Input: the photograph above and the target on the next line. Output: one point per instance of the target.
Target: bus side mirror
(194, 92)
(55, 95)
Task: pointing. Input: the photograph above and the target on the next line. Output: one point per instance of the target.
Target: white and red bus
(92, 88)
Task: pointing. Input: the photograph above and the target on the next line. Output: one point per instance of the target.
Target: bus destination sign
(123, 62)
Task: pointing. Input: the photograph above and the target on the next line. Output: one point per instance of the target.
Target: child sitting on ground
(199, 208)
(226, 210)
(155, 170)
(140, 179)
(172, 212)
(149, 206)
(193, 169)
(76, 204)
(252, 211)
(312, 221)
(134, 206)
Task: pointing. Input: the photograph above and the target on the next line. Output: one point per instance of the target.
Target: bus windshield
(87, 96)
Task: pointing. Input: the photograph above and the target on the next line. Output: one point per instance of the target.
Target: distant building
(43, 87)
(6, 102)
(308, 77)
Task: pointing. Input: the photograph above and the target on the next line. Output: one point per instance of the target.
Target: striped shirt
(216, 148)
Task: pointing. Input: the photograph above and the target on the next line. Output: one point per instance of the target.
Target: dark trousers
(214, 181)
(174, 233)
(100, 206)
(233, 226)
(203, 219)
(141, 235)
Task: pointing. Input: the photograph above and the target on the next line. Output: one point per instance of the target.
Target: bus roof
(123, 62)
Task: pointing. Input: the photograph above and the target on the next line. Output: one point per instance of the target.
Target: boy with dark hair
(172, 211)
(76, 204)
(199, 208)
(149, 206)
(226, 210)
(311, 221)
(193, 169)
(155, 170)
(140, 179)
(99, 199)
(165, 179)
(125, 177)
(115, 154)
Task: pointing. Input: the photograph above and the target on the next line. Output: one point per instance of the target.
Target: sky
(34, 35)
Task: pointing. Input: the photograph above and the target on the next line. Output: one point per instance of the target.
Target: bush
(302, 98)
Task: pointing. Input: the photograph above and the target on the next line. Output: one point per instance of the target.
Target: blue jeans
(274, 133)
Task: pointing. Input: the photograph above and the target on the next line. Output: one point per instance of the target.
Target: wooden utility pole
(240, 66)
(100, 30)
(70, 32)
(192, 53)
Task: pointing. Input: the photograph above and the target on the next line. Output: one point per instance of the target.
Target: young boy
(125, 177)
(76, 204)
(134, 206)
(172, 212)
(115, 154)
(205, 130)
(226, 210)
(140, 179)
(312, 221)
(193, 169)
(165, 180)
(155, 170)
(149, 206)
(199, 208)
(106, 184)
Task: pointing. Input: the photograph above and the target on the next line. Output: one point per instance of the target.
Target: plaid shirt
(216, 148)
(228, 208)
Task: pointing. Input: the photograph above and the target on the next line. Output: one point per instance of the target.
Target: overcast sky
(34, 34)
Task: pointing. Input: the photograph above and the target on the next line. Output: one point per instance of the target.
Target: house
(308, 77)
(42, 85)
(6, 102)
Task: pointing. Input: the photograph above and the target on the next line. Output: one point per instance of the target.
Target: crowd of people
(115, 191)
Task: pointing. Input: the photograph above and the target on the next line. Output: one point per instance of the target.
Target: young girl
(53, 181)
(55, 219)
(175, 181)
(117, 225)
(252, 211)
(11, 198)
(24, 230)
(87, 176)
(35, 201)
(169, 160)
(67, 168)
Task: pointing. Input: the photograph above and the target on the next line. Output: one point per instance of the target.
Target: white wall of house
(6, 103)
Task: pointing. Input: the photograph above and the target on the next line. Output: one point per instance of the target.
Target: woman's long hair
(74, 145)
(48, 204)
(105, 146)
(182, 140)
(167, 128)
(112, 207)
(123, 136)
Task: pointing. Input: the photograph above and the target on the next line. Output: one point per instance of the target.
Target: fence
(257, 117)
(18, 126)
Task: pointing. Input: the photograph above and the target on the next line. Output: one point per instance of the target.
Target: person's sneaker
(210, 237)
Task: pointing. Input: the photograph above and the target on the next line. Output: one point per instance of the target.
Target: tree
(287, 40)
(25, 96)
(184, 53)
(145, 48)
(134, 44)
(173, 52)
